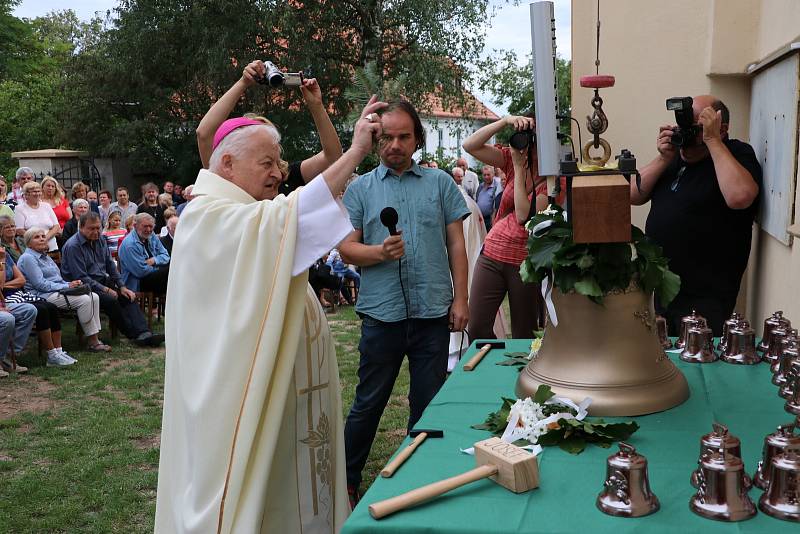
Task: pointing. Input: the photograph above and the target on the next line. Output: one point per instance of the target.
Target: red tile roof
(475, 109)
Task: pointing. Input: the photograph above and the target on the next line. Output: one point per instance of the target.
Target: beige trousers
(87, 306)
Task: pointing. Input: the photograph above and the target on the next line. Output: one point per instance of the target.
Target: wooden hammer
(510, 466)
(487, 346)
(419, 436)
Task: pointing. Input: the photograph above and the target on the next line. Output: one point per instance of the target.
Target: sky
(509, 29)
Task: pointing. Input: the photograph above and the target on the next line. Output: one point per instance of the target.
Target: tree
(512, 84)
(143, 87)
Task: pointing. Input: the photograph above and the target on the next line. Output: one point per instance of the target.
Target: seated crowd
(86, 254)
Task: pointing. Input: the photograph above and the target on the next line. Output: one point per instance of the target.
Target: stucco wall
(688, 47)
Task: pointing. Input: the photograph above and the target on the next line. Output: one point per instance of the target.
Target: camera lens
(520, 140)
(677, 138)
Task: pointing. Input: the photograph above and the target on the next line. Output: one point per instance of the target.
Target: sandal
(99, 347)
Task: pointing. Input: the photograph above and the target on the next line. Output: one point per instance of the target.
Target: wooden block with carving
(601, 209)
(508, 465)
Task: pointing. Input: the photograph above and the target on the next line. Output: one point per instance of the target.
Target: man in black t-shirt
(704, 199)
(151, 206)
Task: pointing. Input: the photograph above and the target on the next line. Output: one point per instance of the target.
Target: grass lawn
(79, 446)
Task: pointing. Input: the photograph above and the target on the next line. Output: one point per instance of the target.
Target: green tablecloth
(741, 397)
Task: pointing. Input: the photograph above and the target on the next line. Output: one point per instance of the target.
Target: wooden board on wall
(773, 134)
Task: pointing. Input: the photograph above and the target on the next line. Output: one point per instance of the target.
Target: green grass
(81, 455)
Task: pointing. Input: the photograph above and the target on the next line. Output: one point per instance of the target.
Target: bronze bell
(775, 347)
(769, 323)
(736, 317)
(626, 491)
(791, 353)
(663, 335)
(719, 438)
(792, 374)
(699, 346)
(694, 319)
(741, 347)
(793, 402)
(782, 498)
(776, 443)
(721, 493)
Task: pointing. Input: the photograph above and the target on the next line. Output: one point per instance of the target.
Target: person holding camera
(298, 173)
(497, 269)
(703, 187)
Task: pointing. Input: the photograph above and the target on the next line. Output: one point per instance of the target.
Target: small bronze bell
(686, 323)
(663, 335)
(793, 402)
(782, 498)
(775, 347)
(721, 493)
(792, 374)
(719, 438)
(741, 347)
(769, 323)
(736, 317)
(791, 353)
(699, 346)
(626, 491)
(774, 444)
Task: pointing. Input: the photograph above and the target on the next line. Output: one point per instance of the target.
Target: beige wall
(656, 54)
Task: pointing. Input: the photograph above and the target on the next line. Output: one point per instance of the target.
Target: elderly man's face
(257, 170)
(171, 224)
(144, 228)
(462, 164)
(488, 175)
(458, 175)
(91, 230)
(80, 210)
(25, 178)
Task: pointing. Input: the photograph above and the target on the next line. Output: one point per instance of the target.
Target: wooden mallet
(510, 466)
(419, 436)
(487, 346)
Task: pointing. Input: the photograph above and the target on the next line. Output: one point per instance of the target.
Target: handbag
(76, 291)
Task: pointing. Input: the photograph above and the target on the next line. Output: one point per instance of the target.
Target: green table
(741, 397)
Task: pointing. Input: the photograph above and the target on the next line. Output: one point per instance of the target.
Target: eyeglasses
(677, 182)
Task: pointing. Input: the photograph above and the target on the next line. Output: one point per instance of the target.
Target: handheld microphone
(389, 219)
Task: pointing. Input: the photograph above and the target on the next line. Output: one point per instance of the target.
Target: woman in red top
(54, 194)
(505, 247)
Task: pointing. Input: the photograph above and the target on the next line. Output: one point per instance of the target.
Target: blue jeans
(16, 325)
(382, 347)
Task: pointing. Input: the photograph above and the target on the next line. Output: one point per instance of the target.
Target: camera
(275, 78)
(685, 134)
(522, 139)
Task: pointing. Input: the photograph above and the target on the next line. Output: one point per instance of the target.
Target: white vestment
(252, 437)
(474, 234)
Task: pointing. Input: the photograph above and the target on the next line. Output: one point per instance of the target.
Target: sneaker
(58, 361)
(143, 339)
(8, 367)
(155, 340)
(67, 356)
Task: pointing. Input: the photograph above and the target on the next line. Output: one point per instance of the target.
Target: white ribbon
(580, 408)
(544, 225)
(547, 295)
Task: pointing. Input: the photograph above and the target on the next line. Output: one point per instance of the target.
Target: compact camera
(274, 77)
(522, 139)
(685, 134)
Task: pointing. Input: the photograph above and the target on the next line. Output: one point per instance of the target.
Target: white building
(447, 129)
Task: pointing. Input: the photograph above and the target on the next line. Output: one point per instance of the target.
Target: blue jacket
(133, 258)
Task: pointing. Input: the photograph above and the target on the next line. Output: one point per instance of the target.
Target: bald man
(704, 198)
(470, 180)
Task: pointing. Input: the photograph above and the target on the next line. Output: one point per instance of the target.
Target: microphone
(389, 219)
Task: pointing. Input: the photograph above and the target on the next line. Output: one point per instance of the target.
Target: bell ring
(733, 322)
(769, 323)
(693, 319)
(741, 347)
(721, 492)
(776, 443)
(699, 346)
(719, 438)
(782, 498)
(626, 490)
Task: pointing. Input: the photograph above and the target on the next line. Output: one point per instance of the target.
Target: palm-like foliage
(368, 81)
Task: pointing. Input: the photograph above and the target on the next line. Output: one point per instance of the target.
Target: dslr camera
(685, 134)
(522, 139)
(275, 78)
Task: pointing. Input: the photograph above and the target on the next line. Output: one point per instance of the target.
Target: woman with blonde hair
(33, 212)
(54, 194)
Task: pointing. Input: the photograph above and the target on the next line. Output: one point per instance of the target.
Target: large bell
(782, 498)
(721, 494)
(774, 444)
(626, 490)
(608, 352)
